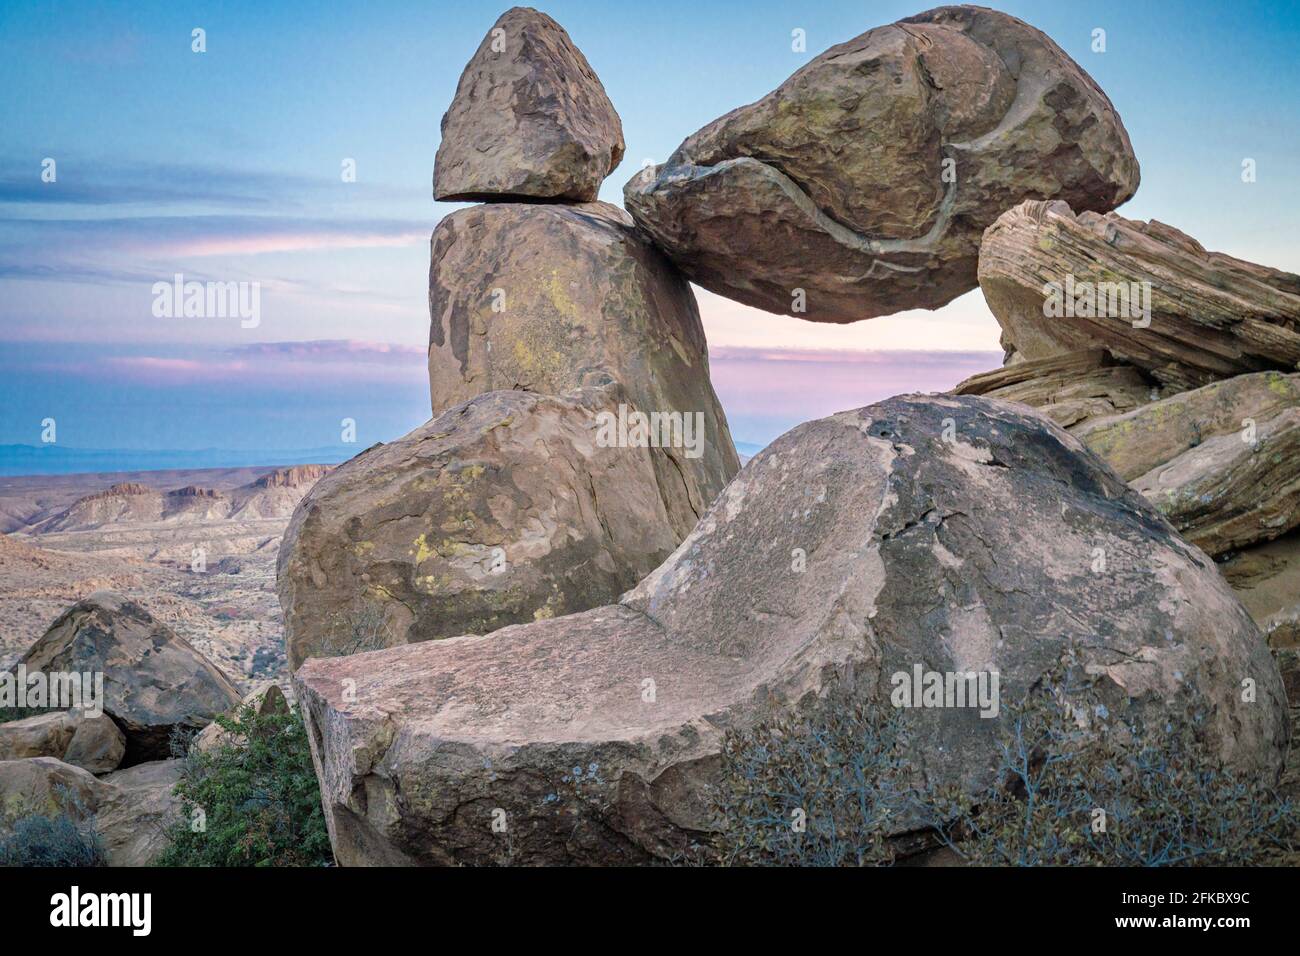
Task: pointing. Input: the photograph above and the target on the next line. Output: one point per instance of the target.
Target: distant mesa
(121, 489)
(299, 476)
(194, 491)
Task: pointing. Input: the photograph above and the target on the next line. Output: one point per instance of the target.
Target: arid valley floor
(197, 547)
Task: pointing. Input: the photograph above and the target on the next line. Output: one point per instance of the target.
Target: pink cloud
(292, 242)
(806, 384)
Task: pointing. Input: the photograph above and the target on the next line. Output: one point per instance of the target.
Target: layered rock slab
(1071, 389)
(549, 298)
(1149, 295)
(155, 682)
(865, 544)
(861, 185)
(530, 119)
(504, 509)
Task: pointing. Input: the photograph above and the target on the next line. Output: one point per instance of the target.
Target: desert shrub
(364, 630)
(1079, 785)
(67, 838)
(1074, 784)
(256, 797)
(816, 789)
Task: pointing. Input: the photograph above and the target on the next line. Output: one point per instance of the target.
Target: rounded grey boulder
(958, 535)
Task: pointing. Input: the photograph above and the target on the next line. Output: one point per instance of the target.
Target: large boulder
(1149, 295)
(550, 298)
(862, 184)
(134, 815)
(93, 743)
(530, 119)
(956, 535)
(504, 509)
(154, 681)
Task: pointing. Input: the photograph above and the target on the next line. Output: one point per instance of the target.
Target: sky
(226, 165)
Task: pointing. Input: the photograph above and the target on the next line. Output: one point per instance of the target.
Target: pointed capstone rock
(529, 119)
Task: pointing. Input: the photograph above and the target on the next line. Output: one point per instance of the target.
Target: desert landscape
(142, 534)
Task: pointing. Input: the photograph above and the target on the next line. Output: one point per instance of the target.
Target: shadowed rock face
(1211, 316)
(154, 680)
(530, 119)
(867, 178)
(549, 298)
(958, 534)
(502, 510)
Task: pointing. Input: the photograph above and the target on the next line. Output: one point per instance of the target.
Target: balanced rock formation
(547, 298)
(92, 743)
(951, 534)
(154, 680)
(1149, 295)
(504, 509)
(862, 184)
(530, 119)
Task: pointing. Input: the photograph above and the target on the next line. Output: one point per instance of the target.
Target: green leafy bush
(1074, 784)
(253, 801)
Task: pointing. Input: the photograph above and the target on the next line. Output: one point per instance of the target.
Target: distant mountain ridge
(273, 495)
(54, 459)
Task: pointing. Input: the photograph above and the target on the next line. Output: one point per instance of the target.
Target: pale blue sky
(225, 165)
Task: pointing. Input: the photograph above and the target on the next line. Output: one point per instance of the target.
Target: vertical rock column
(576, 438)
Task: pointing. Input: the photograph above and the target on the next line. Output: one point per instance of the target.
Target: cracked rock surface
(867, 178)
(955, 533)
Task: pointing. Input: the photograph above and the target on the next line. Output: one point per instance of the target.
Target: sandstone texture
(863, 544)
(1070, 389)
(546, 298)
(504, 509)
(866, 179)
(92, 743)
(529, 119)
(154, 680)
(267, 699)
(1210, 316)
(130, 810)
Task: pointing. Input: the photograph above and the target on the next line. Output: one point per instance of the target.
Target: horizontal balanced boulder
(861, 186)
